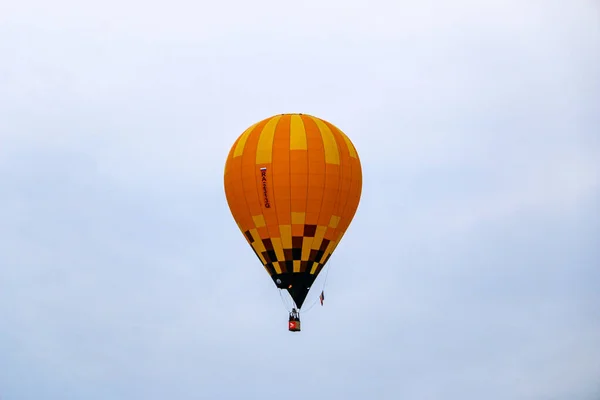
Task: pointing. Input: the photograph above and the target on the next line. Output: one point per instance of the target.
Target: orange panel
(235, 195)
(345, 183)
(332, 180)
(353, 197)
(298, 179)
(263, 232)
(330, 193)
(355, 190)
(265, 181)
(316, 171)
(281, 171)
(234, 190)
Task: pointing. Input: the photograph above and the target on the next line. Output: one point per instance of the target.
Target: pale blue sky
(471, 269)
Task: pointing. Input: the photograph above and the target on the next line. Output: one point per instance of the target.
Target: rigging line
(322, 289)
(309, 308)
(283, 301)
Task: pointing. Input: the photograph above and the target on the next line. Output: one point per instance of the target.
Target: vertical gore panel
(286, 237)
(345, 181)
(235, 195)
(353, 197)
(265, 176)
(346, 140)
(297, 133)
(330, 193)
(298, 169)
(355, 191)
(281, 172)
(332, 154)
(264, 149)
(241, 143)
(249, 172)
(316, 170)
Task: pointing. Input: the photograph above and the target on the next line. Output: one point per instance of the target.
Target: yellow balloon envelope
(293, 183)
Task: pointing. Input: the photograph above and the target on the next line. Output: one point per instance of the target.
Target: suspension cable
(322, 290)
(283, 302)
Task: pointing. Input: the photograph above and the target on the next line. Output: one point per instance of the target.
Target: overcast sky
(472, 267)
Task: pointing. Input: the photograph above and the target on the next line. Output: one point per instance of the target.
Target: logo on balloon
(263, 178)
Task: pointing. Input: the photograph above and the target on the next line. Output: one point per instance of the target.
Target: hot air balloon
(293, 184)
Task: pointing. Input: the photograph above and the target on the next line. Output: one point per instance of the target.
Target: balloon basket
(294, 326)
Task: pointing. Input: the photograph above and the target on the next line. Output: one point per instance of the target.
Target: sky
(471, 269)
